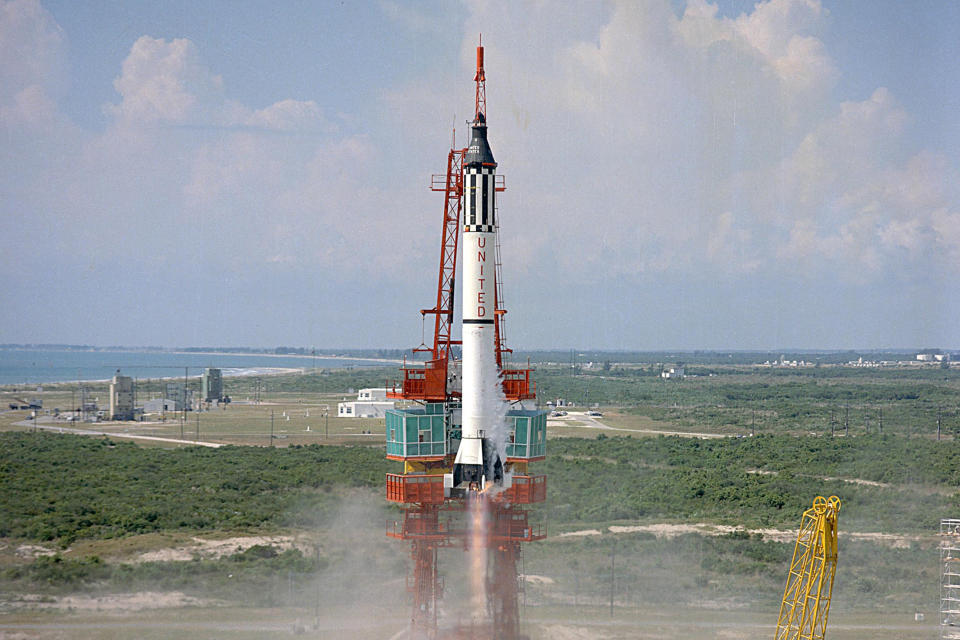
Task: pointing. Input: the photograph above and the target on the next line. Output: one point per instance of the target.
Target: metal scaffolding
(806, 598)
(950, 578)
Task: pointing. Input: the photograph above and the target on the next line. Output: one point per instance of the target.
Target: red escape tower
(426, 435)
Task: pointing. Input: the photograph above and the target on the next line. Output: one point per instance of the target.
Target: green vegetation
(227, 577)
(762, 481)
(732, 400)
(63, 488)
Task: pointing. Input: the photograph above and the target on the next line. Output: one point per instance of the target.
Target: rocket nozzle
(480, 75)
(477, 464)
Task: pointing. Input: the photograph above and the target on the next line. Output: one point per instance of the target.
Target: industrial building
(211, 385)
(121, 398)
(370, 403)
(159, 405)
(180, 395)
(673, 372)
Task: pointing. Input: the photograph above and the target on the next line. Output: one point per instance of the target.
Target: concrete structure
(211, 385)
(159, 405)
(370, 403)
(121, 398)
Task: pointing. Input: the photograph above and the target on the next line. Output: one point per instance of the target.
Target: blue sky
(681, 174)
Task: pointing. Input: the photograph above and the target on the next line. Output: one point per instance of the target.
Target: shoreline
(277, 355)
(228, 371)
(245, 373)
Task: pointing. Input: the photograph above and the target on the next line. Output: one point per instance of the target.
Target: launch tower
(445, 437)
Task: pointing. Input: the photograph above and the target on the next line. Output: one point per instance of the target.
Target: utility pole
(326, 425)
(613, 574)
(197, 439)
(183, 413)
(880, 423)
(938, 424)
(316, 614)
(846, 421)
(523, 572)
(271, 427)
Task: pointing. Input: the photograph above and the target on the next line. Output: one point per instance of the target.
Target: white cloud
(31, 48)
(166, 82)
(31, 68)
(290, 116)
(772, 25)
(31, 108)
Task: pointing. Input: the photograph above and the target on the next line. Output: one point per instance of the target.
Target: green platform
(421, 432)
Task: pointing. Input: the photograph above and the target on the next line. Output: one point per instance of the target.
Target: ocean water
(30, 366)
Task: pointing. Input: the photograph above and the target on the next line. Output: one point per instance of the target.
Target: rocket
(477, 460)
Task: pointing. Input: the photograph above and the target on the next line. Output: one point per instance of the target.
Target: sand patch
(858, 481)
(582, 532)
(222, 547)
(31, 551)
(865, 483)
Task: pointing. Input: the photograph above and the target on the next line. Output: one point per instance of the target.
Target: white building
(672, 372)
(370, 403)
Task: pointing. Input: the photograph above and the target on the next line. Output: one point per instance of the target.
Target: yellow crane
(806, 598)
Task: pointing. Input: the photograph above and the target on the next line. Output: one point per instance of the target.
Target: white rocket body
(477, 460)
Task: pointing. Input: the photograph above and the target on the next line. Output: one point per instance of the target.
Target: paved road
(113, 434)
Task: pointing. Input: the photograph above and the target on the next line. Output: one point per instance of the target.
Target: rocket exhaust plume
(479, 531)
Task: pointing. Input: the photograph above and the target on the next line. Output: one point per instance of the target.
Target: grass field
(296, 418)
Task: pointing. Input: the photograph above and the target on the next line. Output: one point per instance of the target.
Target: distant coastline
(292, 355)
(29, 365)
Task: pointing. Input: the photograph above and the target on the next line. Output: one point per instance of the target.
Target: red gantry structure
(426, 436)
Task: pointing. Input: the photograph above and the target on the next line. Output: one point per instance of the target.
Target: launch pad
(466, 481)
